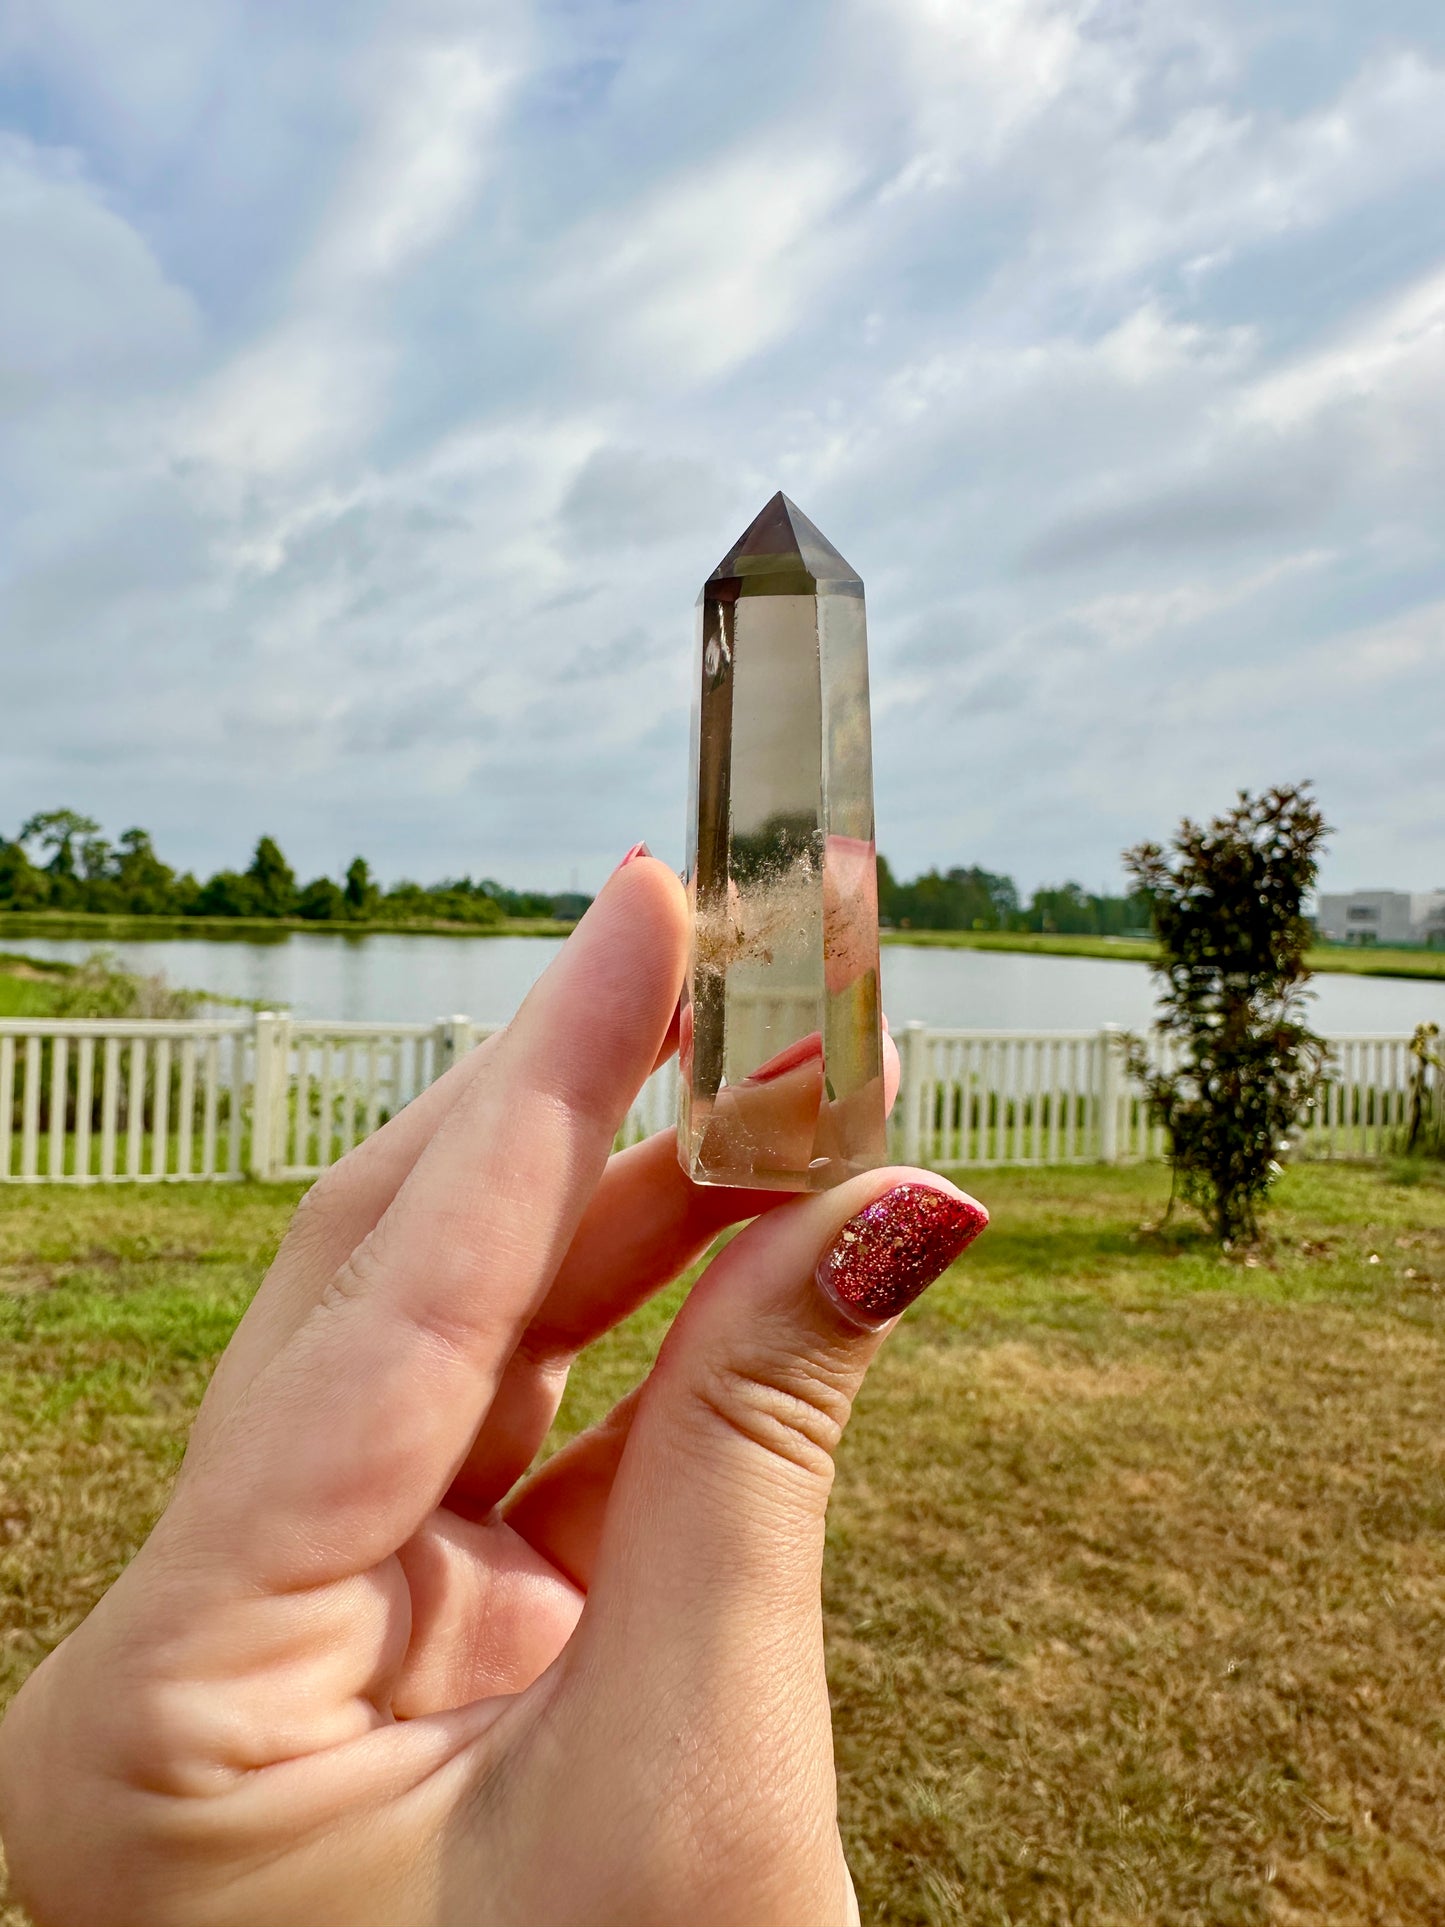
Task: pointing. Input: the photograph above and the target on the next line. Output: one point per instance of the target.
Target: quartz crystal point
(781, 1052)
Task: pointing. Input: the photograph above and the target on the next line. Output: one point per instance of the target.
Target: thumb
(705, 1595)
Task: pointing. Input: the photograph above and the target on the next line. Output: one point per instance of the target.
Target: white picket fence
(273, 1097)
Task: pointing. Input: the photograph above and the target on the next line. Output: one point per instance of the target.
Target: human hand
(365, 1669)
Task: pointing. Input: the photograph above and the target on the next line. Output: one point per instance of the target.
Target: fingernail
(637, 850)
(891, 1252)
(806, 1050)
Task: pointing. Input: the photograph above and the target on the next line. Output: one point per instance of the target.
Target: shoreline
(1326, 959)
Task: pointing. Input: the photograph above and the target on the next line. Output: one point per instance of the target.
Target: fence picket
(210, 1102)
(30, 1112)
(134, 1107)
(236, 1085)
(59, 1100)
(186, 1108)
(7, 1102)
(84, 1097)
(348, 1108)
(304, 1096)
(161, 1110)
(109, 1107)
(326, 1145)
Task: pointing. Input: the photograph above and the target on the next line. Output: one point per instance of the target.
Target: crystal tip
(781, 542)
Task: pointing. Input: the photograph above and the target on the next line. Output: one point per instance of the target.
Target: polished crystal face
(781, 1044)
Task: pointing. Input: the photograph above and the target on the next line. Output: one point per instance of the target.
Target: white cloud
(86, 302)
(700, 274)
(304, 396)
(438, 104)
(1222, 177)
(1392, 358)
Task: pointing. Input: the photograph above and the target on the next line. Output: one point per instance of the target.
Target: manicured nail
(637, 850)
(807, 1050)
(891, 1252)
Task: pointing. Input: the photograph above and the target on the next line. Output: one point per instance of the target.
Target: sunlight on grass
(1136, 1553)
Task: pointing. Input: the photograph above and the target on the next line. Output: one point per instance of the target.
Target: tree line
(975, 899)
(61, 860)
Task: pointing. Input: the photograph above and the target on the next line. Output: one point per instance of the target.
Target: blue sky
(379, 381)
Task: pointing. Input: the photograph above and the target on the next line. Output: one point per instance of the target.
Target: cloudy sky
(379, 379)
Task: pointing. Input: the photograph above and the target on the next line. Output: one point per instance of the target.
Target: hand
(365, 1669)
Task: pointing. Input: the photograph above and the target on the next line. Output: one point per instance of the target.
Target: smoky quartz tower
(781, 1044)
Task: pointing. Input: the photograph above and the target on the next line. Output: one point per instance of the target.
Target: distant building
(1383, 916)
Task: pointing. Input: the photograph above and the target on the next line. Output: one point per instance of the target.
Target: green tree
(360, 891)
(144, 885)
(56, 831)
(1228, 908)
(22, 886)
(958, 899)
(322, 901)
(1064, 908)
(228, 894)
(274, 879)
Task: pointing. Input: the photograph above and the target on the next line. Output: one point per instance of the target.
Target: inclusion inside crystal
(781, 1045)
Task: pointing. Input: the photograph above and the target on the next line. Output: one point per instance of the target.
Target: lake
(417, 979)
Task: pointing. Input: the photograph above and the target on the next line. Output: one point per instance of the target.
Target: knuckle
(791, 1407)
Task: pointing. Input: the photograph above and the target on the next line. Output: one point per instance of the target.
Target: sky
(378, 383)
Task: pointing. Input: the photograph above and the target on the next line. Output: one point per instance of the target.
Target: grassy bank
(29, 988)
(1351, 960)
(17, 925)
(1135, 1561)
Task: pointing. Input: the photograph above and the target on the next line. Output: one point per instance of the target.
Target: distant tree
(144, 886)
(274, 879)
(228, 894)
(22, 886)
(56, 831)
(361, 891)
(1227, 902)
(95, 859)
(1065, 908)
(956, 899)
(82, 871)
(515, 903)
(322, 901)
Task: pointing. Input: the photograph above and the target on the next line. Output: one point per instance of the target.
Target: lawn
(15, 926)
(1355, 960)
(28, 988)
(1137, 1555)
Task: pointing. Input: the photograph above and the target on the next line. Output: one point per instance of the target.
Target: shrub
(1227, 907)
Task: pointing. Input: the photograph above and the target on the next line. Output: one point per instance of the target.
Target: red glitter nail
(637, 850)
(892, 1251)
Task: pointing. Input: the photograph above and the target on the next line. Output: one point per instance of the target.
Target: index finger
(352, 1433)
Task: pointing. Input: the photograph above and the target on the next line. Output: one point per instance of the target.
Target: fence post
(1111, 1083)
(265, 1097)
(910, 1093)
(453, 1041)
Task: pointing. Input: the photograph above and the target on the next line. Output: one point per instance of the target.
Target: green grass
(99, 928)
(29, 988)
(1351, 960)
(1136, 1554)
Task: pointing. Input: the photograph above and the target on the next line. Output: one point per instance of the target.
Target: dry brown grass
(1136, 1584)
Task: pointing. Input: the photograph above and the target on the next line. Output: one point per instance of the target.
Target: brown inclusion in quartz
(781, 1039)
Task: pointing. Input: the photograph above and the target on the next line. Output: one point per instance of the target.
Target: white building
(1383, 916)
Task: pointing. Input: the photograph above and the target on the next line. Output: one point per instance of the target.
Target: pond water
(418, 979)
